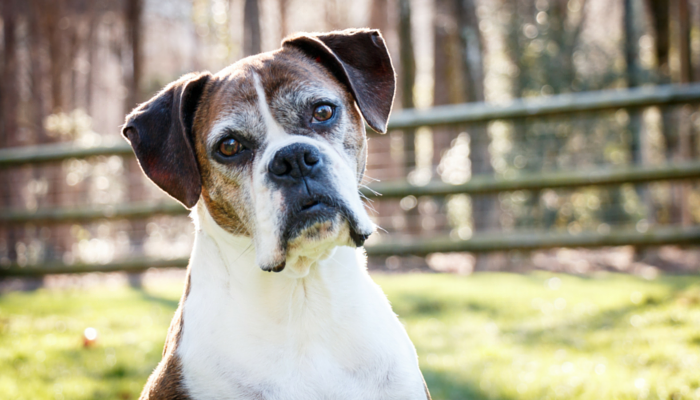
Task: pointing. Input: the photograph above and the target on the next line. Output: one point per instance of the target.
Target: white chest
(330, 335)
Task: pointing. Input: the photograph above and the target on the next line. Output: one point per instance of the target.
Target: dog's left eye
(323, 113)
(230, 147)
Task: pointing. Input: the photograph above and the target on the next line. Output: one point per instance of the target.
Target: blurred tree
(251, 28)
(459, 78)
(485, 216)
(406, 84)
(282, 4)
(133, 13)
(9, 84)
(8, 103)
(633, 69)
(379, 15)
(49, 61)
(35, 36)
(382, 16)
(407, 79)
(684, 41)
(407, 58)
(660, 19)
(685, 135)
(57, 52)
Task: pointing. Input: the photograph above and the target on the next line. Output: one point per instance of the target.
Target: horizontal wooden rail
(477, 185)
(523, 241)
(544, 180)
(92, 213)
(441, 115)
(58, 152)
(56, 267)
(547, 106)
(655, 236)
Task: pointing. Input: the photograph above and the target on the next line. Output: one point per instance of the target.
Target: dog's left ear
(360, 60)
(160, 132)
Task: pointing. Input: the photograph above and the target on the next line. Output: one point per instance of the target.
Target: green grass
(487, 336)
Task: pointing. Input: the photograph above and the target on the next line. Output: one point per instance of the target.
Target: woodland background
(73, 68)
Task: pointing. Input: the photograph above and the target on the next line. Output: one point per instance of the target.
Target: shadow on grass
(444, 386)
(566, 332)
(425, 306)
(166, 302)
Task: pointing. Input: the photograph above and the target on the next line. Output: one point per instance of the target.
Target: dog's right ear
(160, 132)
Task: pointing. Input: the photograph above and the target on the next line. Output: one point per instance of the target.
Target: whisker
(370, 189)
(371, 207)
(370, 178)
(250, 246)
(363, 197)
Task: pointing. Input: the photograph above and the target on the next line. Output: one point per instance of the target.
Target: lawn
(486, 336)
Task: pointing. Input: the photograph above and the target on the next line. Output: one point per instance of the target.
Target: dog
(269, 154)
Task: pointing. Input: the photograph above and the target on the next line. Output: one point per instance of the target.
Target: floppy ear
(359, 59)
(160, 132)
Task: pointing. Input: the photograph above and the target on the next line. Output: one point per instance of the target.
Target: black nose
(294, 162)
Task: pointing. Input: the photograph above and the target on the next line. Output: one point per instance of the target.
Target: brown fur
(166, 382)
(281, 72)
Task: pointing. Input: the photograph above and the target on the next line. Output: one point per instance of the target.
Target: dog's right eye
(229, 147)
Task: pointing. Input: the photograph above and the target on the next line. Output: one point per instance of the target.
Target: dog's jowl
(268, 153)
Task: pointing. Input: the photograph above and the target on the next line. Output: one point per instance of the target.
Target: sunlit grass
(499, 336)
(545, 336)
(41, 347)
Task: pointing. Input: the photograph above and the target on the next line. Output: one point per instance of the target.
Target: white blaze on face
(269, 203)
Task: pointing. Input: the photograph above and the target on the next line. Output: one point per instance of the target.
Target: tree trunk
(251, 28)
(37, 72)
(406, 55)
(685, 134)
(407, 78)
(632, 73)
(134, 11)
(56, 56)
(660, 18)
(484, 207)
(406, 84)
(8, 109)
(282, 4)
(10, 90)
(379, 15)
(631, 51)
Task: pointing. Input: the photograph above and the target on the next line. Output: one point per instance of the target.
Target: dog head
(274, 145)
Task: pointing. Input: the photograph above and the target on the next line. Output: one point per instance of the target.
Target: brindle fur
(283, 73)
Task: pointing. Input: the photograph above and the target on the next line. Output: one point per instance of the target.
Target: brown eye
(230, 147)
(323, 113)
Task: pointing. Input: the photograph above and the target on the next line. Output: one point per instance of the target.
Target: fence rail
(444, 115)
(476, 185)
(440, 115)
(417, 246)
(548, 106)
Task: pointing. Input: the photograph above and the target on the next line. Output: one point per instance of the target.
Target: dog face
(274, 145)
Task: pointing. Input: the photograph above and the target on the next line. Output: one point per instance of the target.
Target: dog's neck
(227, 262)
(280, 335)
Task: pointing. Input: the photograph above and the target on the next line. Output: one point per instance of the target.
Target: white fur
(250, 334)
(319, 329)
(268, 203)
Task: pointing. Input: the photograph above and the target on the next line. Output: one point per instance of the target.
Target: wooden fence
(444, 115)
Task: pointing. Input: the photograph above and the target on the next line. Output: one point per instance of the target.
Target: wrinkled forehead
(284, 81)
